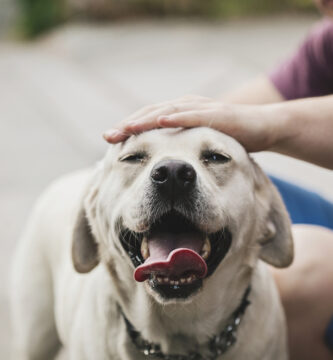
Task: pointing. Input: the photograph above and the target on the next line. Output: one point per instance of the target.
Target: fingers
(145, 111)
(187, 119)
(144, 123)
(163, 106)
(149, 121)
(114, 136)
(147, 118)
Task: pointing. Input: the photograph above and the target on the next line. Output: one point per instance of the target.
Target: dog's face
(168, 206)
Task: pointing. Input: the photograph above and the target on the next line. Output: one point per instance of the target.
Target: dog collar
(217, 346)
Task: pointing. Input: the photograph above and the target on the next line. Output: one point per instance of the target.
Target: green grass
(40, 15)
(227, 8)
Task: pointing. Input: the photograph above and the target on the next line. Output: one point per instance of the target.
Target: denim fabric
(304, 206)
(307, 207)
(329, 335)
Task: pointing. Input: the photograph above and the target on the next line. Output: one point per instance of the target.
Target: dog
(159, 252)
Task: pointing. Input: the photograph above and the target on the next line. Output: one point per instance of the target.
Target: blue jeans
(304, 206)
(307, 207)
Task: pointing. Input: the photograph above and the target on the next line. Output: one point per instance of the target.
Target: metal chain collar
(217, 346)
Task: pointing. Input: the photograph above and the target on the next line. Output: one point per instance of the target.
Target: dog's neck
(218, 344)
(191, 324)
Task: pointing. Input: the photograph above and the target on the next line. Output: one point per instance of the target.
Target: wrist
(279, 125)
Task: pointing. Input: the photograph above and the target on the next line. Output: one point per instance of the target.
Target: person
(289, 112)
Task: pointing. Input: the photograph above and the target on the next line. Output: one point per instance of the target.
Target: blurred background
(69, 69)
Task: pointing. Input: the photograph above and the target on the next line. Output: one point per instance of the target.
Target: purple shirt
(310, 71)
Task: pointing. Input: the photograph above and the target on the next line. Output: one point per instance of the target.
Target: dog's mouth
(174, 255)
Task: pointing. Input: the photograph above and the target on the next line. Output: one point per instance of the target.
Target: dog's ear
(85, 254)
(84, 247)
(275, 228)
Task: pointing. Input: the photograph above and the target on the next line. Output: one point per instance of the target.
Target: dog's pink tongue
(173, 255)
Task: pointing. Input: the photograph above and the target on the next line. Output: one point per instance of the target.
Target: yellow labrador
(158, 253)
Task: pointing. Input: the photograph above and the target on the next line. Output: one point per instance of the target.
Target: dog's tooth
(166, 280)
(172, 282)
(159, 279)
(206, 248)
(183, 280)
(176, 282)
(189, 279)
(205, 255)
(144, 248)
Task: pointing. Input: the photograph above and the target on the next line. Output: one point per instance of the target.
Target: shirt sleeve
(310, 71)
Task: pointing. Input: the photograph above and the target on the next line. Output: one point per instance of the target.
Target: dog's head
(171, 206)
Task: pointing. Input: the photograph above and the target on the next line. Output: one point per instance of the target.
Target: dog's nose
(173, 177)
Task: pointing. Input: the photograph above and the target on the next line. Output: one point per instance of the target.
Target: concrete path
(57, 96)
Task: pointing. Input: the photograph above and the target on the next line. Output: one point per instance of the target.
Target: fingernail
(111, 134)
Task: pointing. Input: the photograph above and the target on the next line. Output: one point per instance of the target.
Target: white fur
(54, 306)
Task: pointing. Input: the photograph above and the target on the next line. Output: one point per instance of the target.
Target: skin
(294, 128)
(301, 129)
(326, 6)
(256, 127)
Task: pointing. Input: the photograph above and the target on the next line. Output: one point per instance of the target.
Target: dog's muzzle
(174, 254)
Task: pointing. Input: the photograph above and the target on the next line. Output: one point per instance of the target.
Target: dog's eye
(134, 158)
(214, 157)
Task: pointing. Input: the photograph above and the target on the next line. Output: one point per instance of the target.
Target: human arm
(283, 127)
(301, 128)
(308, 73)
(307, 130)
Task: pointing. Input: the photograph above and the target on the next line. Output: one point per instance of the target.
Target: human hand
(252, 125)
